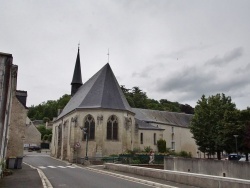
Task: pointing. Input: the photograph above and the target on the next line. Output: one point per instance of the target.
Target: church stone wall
(72, 134)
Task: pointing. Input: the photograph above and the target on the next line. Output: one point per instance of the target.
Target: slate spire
(101, 91)
(77, 76)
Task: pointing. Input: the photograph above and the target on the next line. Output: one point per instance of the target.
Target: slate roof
(77, 76)
(163, 117)
(146, 126)
(100, 91)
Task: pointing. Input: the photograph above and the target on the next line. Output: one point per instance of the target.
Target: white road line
(62, 166)
(51, 166)
(42, 167)
(71, 167)
(137, 180)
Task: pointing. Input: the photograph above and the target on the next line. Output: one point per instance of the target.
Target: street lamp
(236, 144)
(84, 129)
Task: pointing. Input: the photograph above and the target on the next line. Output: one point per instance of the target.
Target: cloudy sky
(171, 49)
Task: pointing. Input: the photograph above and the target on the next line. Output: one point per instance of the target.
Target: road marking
(62, 166)
(51, 166)
(128, 178)
(42, 167)
(71, 167)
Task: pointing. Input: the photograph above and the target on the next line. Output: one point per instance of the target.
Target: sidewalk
(26, 177)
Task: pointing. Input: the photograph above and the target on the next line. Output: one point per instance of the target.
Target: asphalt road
(61, 174)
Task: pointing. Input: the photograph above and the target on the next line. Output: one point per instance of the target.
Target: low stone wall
(233, 169)
(198, 180)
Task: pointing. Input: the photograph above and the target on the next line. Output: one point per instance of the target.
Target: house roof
(100, 91)
(163, 117)
(22, 97)
(146, 126)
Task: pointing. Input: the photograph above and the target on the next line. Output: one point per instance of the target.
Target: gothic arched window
(112, 128)
(89, 124)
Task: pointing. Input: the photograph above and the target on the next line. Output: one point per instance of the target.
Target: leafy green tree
(139, 99)
(46, 119)
(45, 137)
(208, 123)
(161, 145)
(44, 132)
(50, 137)
(48, 109)
(237, 123)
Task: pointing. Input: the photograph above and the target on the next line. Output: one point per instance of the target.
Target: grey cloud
(180, 53)
(145, 72)
(187, 80)
(141, 75)
(227, 58)
(243, 70)
(191, 84)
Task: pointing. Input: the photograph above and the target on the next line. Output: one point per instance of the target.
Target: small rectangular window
(173, 145)
(141, 138)
(154, 138)
(172, 129)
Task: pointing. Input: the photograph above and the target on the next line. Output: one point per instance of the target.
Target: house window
(154, 138)
(89, 124)
(141, 138)
(173, 145)
(172, 130)
(112, 128)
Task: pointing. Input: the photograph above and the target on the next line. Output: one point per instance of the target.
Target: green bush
(147, 149)
(161, 145)
(182, 154)
(45, 137)
(49, 137)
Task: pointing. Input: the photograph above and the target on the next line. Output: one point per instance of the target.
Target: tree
(208, 123)
(139, 99)
(237, 123)
(48, 109)
(161, 145)
(44, 132)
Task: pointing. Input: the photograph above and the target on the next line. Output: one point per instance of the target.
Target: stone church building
(98, 121)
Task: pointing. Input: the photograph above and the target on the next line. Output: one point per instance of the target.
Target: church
(98, 121)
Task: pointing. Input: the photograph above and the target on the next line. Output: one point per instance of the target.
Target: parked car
(234, 157)
(34, 148)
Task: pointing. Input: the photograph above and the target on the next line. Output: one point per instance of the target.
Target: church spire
(77, 76)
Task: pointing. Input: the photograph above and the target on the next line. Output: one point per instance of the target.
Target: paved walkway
(26, 177)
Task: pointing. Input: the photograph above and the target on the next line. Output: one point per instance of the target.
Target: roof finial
(79, 45)
(108, 55)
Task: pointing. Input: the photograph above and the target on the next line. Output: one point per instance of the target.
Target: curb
(151, 183)
(45, 181)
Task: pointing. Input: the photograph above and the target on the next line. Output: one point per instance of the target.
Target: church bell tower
(77, 76)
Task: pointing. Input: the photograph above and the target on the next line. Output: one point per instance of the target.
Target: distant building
(111, 125)
(32, 135)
